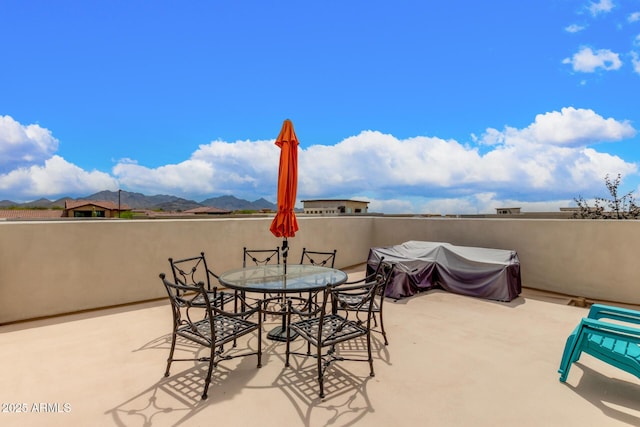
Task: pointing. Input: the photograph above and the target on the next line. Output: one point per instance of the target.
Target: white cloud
(391, 206)
(550, 159)
(483, 203)
(459, 205)
(634, 17)
(636, 62)
(553, 151)
(588, 61)
(239, 168)
(375, 161)
(574, 28)
(23, 146)
(602, 6)
(56, 177)
(186, 177)
(550, 156)
(569, 127)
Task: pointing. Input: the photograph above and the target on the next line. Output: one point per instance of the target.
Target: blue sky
(416, 106)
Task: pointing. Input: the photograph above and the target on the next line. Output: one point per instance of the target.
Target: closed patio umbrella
(285, 223)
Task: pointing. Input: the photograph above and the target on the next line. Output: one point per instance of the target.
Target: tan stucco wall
(48, 268)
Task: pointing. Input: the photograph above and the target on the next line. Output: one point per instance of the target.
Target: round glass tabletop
(271, 278)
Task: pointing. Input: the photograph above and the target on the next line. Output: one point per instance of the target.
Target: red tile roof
(207, 210)
(73, 204)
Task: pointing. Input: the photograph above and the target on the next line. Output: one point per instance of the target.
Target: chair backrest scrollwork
(322, 259)
(261, 256)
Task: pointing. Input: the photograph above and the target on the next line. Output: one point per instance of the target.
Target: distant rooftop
(73, 204)
(207, 210)
(334, 200)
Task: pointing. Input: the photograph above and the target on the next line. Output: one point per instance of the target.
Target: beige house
(93, 209)
(335, 206)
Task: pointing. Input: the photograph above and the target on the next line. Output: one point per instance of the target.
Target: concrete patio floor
(452, 361)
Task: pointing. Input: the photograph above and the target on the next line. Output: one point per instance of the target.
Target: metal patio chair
(212, 330)
(348, 302)
(319, 258)
(191, 271)
(261, 257)
(324, 329)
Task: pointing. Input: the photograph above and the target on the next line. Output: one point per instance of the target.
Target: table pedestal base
(279, 333)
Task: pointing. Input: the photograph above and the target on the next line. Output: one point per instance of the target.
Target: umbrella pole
(285, 253)
(280, 333)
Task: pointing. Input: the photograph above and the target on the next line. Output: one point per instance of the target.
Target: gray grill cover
(487, 273)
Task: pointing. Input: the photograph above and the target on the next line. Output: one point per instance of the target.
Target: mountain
(232, 203)
(140, 201)
(39, 204)
(160, 201)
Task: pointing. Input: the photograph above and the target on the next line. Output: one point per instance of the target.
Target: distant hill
(232, 203)
(39, 204)
(160, 201)
(140, 201)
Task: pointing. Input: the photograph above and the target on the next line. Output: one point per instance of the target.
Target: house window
(88, 214)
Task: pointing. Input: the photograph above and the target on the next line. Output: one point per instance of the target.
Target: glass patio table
(299, 278)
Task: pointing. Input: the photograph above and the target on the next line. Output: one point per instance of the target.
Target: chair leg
(572, 357)
(384, 334)
(320, 372)
(209, 372)
(372, 374)
(264, 297)
(286, 360)
(259, 340)
(170, 358)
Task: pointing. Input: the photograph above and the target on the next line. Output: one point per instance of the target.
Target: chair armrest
(600, 311)
(247, 308)
(352, 286)
(291, 309)
(213, 274)
(368, 278)
(317, 308)
(359, 282)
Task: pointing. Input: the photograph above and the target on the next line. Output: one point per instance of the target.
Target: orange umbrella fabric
(285, 223)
